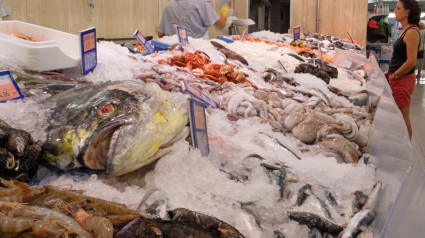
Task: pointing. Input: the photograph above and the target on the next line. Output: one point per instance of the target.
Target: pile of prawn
(46, 211)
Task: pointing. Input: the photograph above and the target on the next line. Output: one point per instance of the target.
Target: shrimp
(20, 192)
(112, 208)
(100, 227)
(41, 213)
(46, 230)
(50, 201)
(15, 224)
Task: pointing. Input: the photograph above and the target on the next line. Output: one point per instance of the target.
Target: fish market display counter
(399, 166)
(252, 179)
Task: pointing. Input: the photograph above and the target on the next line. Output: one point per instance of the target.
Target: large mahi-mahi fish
(116, 126)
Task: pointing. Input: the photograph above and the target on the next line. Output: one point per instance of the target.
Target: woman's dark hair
(415, 10)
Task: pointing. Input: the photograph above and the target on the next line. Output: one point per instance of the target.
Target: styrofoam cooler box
(53, 50)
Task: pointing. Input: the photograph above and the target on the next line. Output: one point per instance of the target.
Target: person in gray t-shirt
(195, 15)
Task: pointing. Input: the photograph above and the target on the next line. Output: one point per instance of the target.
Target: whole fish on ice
(116, 126)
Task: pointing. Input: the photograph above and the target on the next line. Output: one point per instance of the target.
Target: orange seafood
(199, 63)
(22, 36)
(140, 47)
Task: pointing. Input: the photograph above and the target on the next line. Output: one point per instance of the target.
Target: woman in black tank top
(401, 72)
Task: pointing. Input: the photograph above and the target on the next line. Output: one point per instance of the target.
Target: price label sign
(296, 32)
(194, 92)
(9, 89)
(142, 40)
(318, 63)
(174, 26)
(198, 126)
(182, 34)
(88, 50)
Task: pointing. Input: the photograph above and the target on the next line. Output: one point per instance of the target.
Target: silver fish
(365, 216)
(275, 142)
(229, 53)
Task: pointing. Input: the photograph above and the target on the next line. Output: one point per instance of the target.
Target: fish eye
(105, 110)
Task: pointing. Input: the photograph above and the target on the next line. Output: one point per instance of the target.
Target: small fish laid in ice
(365, 216)
(365, 234)
(229, 53)
(314, 233)
(116, 126)
(361, 219)
(279, 234)
(313, 220)
(281, 177)
(354, 205)
(302, 194)
(272, 141)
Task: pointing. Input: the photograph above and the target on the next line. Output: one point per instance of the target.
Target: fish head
(95, 125)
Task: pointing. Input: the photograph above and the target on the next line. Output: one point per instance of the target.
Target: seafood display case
(398, 164)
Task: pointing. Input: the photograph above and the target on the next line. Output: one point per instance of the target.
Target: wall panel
(352, 19)
(335, 17)
(79, 16)
(19, 10)
(303, 14)
(146, 17)
(48, 13)
(112, 18)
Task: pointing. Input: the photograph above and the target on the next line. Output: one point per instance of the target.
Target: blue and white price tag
(182, 34)
(88, 50)
(283, 67)
(174, 26)
(318, 63)
(296, 32)
(9, 89)
(143, 42)
(198, 126)
(194, 92)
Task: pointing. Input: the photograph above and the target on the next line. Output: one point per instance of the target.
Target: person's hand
(225, 9)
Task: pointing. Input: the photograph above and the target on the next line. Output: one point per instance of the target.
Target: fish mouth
(96, 152)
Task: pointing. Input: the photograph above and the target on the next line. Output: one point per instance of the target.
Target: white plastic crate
(53, 50)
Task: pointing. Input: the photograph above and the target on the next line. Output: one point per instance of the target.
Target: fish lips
(99, 146)
(59, 150)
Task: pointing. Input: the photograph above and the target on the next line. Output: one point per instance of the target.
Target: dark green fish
(302, 195)
(312, 220)
(184, 223)
(279, 234)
